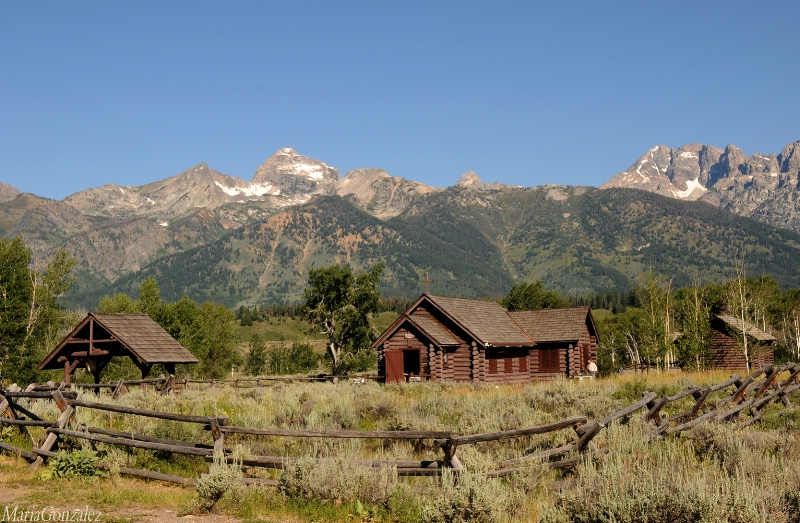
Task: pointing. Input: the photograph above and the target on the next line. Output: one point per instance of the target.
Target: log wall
(512, 365)
(728, 354)
(536, 370)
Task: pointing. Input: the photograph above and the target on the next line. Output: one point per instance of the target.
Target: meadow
(711, 472)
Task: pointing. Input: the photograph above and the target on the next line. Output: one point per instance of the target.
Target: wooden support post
(10, 409)
(67, 413)
(654, 411)
(450, 459)
(13, 408)
(586, 436)
(119, 390)
(795, 371)
(769, 379)
(700, 402)
(219, 437)
(169, 385)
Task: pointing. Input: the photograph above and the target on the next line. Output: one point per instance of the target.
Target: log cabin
(727, 350)
(443, 338)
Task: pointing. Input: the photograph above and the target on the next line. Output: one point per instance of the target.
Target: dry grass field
(709, 473)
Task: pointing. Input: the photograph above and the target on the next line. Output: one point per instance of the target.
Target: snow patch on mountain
(250, 190)
(691, 187)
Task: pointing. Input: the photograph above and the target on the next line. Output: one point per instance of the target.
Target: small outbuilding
(444, 338)
(727, 348)
(100, 337)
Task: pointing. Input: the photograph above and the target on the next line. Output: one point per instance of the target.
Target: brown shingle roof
(435, 330)
(548, 325)
(134, 333)
(486, 320)
(751, 330)
(146, 338)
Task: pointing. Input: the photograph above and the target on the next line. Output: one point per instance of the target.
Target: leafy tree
(120, 303)
(532, 296)
(31, 319)
(256, 362)
(339, 302)
(694, 314)
(789, 319)
(215, 340)
(300, 357)
(150, 298)
(749, 300)
(207, 330)
(654, 331)
(16, 293)
(621, 344)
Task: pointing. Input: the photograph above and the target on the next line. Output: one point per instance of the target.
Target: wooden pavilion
(100, 337)
(457, 339)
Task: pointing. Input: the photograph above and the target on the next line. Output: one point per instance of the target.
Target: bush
(337, 480)
(79, 463)
(359, 361)
(300, 357)
(473, 498)
(222, 478)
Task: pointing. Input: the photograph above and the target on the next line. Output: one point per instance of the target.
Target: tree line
(654, 324)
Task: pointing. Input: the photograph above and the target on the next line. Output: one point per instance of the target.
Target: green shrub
(79, 463)
(300, 357)
(631, 390)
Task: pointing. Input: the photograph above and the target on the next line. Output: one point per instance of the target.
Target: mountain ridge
(216, 236)
(765, 187)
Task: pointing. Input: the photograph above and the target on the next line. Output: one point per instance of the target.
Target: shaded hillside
(577, 240)
(580, 240)
(267, 261)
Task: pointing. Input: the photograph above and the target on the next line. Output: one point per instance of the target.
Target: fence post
(450, 458)
(67, 415)
(219, 437)
(169, 385)
(119, 390)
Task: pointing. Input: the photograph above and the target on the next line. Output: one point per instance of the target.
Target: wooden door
(394, 366)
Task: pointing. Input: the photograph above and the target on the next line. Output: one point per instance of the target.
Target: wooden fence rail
(747, 395)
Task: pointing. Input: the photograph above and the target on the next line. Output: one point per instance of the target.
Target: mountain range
(764, 187)
(679, 212)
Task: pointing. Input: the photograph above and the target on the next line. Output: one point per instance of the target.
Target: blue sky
(523, 93)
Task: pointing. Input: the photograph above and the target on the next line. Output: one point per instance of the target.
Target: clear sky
(521, 92)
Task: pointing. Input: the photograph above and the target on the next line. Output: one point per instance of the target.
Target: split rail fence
(739, 399)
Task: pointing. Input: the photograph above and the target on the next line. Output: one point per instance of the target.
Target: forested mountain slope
(478, 243)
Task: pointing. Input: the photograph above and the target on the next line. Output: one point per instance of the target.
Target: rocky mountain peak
(7, 192)
(764, 187)
(470, 180)
(295, 174)
(789, 158)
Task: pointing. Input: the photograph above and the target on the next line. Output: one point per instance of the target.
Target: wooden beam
(378, 434)
(507, 434)
(139, 412)
(177, 449)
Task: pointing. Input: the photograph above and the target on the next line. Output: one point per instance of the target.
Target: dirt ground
(11, 498)
(21, 489)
